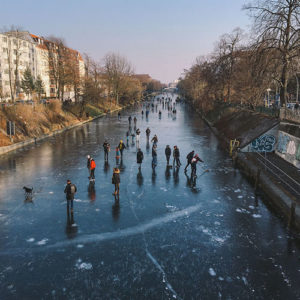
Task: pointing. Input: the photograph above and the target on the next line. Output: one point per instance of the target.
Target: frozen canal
(168, 238)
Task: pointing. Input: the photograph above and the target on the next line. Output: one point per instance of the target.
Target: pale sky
(160, 38)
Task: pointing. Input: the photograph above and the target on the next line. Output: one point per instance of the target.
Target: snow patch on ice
(30, 240)
(171, 207)
(79, 200)
(216, 201)
(217, 223)
(212, 272)
(83, 265)
(240, 196)
(256, 216)
(163, 189)
(242, 210)
(221, 278)
(251, 207)
(237, 191)
(42, 242)
(51, 192)
(80, 246)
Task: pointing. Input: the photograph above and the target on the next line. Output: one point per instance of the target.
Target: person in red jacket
(93, 167)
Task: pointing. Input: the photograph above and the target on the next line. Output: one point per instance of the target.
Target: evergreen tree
(27, 83)
(39, 87)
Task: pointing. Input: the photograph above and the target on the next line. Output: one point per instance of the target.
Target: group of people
(192, 159)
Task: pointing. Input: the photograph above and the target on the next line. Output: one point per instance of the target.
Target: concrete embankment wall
(289, 143)
(252, 130)
(19, 145)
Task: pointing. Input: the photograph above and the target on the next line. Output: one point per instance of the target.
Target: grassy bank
(35, 121)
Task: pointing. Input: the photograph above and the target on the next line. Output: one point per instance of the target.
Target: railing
(282, 176)
(290, 114)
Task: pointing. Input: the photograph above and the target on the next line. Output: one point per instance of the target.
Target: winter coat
(68, 191)
(106, 146)
(176, 152)
(122, 146)
(168, 151)
(139, 157)
(115, 178)
(88, 163)
(93, 165)
(190, 156)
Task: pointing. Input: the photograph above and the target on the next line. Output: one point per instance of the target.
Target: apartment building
(21, 50)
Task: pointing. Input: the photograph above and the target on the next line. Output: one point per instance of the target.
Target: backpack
(73, 189)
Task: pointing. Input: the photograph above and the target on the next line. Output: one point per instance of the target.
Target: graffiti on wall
(283, 141)
(265, 143)
(288, 145)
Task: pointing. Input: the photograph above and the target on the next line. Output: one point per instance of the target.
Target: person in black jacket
(106, 147)
(139, 157)
(168, 152)
(70, 191)
(116, 181)
(148, 131)
(176, 155)
(154, 156)
(189, 158)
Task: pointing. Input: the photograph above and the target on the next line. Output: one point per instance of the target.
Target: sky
(159, 37)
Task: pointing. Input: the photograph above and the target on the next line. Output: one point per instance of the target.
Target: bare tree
(116, 67)
(277, 24)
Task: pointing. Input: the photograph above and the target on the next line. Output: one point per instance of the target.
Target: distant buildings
(45, 59)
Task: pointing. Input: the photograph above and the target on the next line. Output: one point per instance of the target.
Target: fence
(290, 114)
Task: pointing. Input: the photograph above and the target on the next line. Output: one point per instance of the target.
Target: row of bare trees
(242, 71)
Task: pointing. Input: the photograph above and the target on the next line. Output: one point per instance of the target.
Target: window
(6, 82)
(52, 90)
(6, 71)
(4, 39)
(15, 61)
(15, 52)
(4, 49)
(15, 42)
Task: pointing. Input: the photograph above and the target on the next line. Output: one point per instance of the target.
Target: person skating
(139, 157)
(106, 147)
(168, 152)
(195, 159)
(132, 138)
(70, 191)
(129, 120)
(116, 181)
(134, 121)
(159, 114)
(121, 147)
(176, 155)
(88, 164)
(154, 156)
(142, 113)
(148, 131)
(119, 116)
(189, 158)
(93, 167)
(138, 135)
(118, 155)
(154, 140)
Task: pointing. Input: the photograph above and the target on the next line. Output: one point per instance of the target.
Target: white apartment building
(19, 50)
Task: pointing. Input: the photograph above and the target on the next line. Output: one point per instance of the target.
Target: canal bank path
(169, 238)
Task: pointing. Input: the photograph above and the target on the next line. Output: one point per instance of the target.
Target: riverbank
(278, 196)
(94, 113)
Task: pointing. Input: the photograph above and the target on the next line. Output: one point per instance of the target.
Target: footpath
(271, 175)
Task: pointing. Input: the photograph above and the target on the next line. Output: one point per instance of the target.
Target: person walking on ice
(121, 147)
(116, 181)
(189, 158)
(106, 147)
(195, 159)
(139, 157)
(70, 191)
(168, 152)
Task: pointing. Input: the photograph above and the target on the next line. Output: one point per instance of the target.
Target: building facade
(22, 50)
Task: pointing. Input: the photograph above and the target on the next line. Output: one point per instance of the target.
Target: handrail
(285, 174)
